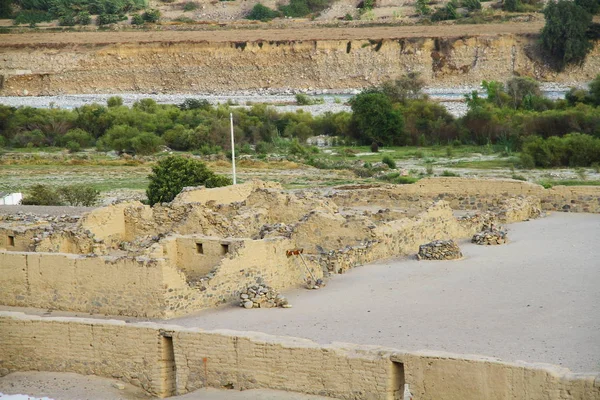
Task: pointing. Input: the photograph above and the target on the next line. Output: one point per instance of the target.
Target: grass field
(127, 177)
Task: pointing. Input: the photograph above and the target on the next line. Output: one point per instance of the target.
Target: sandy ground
(69, 386)
(535, 299)
(297, 34)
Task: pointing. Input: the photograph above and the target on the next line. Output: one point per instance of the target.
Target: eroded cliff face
(231, 66)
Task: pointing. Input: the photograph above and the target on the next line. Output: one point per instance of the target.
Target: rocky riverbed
(284, 100)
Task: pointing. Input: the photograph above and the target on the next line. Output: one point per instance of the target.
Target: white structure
(10, 199)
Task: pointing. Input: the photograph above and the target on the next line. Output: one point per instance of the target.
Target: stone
(244, 296)
(118, 385)
(248, 304)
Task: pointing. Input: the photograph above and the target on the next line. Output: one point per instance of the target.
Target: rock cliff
(217, 66)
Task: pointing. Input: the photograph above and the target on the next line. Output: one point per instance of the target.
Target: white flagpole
(232, 148)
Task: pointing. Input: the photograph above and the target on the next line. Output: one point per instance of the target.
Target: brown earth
(387, 32)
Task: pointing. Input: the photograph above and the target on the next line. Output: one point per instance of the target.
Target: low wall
(110, 285)
(471, 194)
(168, 360)
(150, 286)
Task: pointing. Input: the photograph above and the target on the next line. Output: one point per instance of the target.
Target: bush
(151, 15)
(471, 5)
(195, 104)
(301, 8)
(137, 19)
(79, 195)
(572, 150)
(114, 101)
(305, 100)
(42, 195)
(512, 5)
(564, 34)
(66, 20)
(84, 18)
(32, 17)
(389, 162)
(173, 173)
(262, 13)
(374, 147)
(105, 19)
(422, 7)
(190, 6)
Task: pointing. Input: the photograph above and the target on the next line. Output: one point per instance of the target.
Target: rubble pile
(490, 237)
(439, 250)
(262, 296)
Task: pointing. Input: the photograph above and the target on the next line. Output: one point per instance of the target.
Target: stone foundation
(490, 237)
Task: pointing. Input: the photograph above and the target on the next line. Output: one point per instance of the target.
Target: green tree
(262, 13)
(5, 8)
(173, 173)
(375, 120)
(564, 34)
(591, 6)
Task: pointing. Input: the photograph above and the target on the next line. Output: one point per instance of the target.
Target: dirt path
(535, 299)
(70, 386)
(245, 35)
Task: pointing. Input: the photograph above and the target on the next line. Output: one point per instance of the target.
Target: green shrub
(114, 101)
(512, 5)
(195, 104)
(67, 20)
(152, 15)
(305, 100)
(449, 173)
(422, 7)
(173, 173)
(77, 135)
(105, 19)
(32, 17)
(190, 6)
(42, 195)
(398, 179)
(78, 195)
(137, 19)
(374, 147)
(471, 5)
(519, 177)
(302, 8)
(574, 150)
(389, 162)
(262, 13)
(84, 18)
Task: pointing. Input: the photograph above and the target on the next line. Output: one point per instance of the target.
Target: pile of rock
(262, 296)
(439, 250)
(490, 237)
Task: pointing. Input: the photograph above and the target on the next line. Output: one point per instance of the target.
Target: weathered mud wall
(471, 194)
(190, 67)
(166, 360)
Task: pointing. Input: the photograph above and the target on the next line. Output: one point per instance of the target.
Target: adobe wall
(247, 263)
(109, 285)
(472, 194)
(135, 353)
(150, 286)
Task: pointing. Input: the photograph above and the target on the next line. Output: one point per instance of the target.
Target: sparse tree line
(395, 114)
(77, 12)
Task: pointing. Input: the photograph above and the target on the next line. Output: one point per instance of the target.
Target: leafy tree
(591, 6)
(375, 120)
(521, 89)
(564, 34)
(5, 8)
(151, 15)
(262, 13)
(173, 173)
(408, 87)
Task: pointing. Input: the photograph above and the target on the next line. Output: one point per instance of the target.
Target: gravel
(283, 99)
